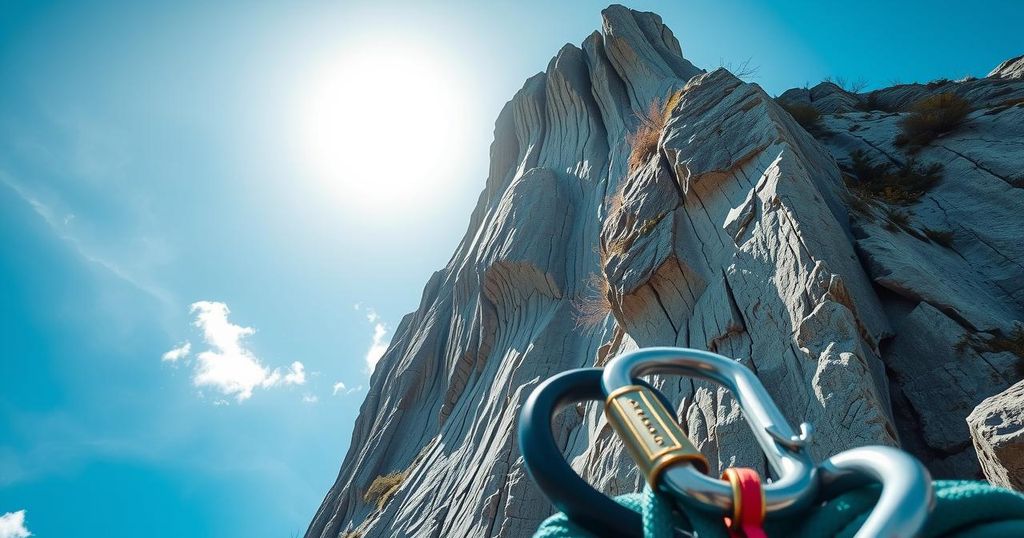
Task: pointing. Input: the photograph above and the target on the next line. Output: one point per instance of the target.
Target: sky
(213, 214)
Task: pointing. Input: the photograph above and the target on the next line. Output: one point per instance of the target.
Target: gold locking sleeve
(650, 432)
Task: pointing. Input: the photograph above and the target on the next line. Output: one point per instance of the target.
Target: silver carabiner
(907, 495)
(796, 485)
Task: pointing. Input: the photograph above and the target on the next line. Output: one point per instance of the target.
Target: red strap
(747, 520)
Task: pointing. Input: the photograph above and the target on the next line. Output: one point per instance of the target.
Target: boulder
(997, 429)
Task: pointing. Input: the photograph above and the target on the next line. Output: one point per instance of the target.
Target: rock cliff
(875, 285)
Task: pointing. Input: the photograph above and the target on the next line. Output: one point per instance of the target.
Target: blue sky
(162, 181)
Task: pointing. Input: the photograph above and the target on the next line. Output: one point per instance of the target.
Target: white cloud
(378, 347)
(12, 525)
(177, 353)
(338, 387)
(310, 398)
(228, 366)
(296, 375)
(378, 343)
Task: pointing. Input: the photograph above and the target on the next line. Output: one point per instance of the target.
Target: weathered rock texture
(997, 427)
(951, 277)
(1012, 68)
(736, 236)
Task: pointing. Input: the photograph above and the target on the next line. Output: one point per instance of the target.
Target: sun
(382, 124)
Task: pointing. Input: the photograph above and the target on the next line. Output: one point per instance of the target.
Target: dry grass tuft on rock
(931, 118)
(849, 86)
(806, 115)
(615, 202)
(872, 103)
(644, 140)
(383, 488)
(894, 185)
(594, 306)
(649, 224)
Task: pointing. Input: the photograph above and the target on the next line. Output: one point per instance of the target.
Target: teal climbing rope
(963, 509)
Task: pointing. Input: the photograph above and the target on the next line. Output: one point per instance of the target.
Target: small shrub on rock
(931, 118)
(848, 86)
(383, 488)
(806, 115)
(894, 185)
(873, 103)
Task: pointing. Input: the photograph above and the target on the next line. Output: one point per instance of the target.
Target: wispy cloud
(61, 225)
(12, 525)
(177, 353)
(378, 343)
(340, 387)
(310, 398)
(228, 366)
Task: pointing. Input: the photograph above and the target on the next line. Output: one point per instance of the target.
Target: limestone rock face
(827, 97)
(1012, 68)
(948, 267)
(997, 428)
(984, 92)
(734, 232)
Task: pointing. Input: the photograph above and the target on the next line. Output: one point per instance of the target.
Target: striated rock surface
(949, 266)
(997, 428)
(737, 234)
(1012, 68)
(1003, 87)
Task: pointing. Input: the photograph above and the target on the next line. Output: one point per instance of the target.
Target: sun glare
(383, 124)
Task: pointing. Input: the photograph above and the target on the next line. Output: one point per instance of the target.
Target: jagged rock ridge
(736, 236)
(1012, 68)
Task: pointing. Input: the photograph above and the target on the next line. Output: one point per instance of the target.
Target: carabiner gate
(674, 471)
